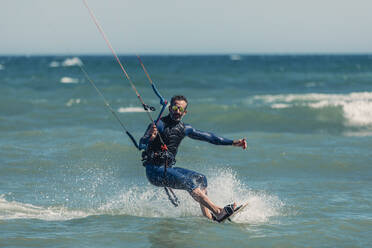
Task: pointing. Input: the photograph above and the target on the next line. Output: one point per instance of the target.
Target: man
(159, 159)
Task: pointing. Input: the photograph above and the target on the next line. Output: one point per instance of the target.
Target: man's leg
(206, 204)
(205, 210)
(180, 178)
(200, 195)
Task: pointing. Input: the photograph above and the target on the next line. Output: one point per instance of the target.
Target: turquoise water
(71, 178)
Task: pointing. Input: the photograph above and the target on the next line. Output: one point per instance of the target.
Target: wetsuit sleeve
(206, 136)
(144, 141)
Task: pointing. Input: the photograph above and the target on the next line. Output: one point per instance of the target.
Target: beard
(175, 116)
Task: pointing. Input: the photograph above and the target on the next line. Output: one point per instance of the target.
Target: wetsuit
(172, 133)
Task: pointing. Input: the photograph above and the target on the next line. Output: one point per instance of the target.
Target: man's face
(178, 110)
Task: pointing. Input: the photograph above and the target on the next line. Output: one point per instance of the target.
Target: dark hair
(179, 98)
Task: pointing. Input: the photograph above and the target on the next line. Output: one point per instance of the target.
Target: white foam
(358, 113)
(358, 133)
(224, 188)
(72, 62)
(73, 101)
(280, 106)
(54, 64)
(18, 210)
(145, 201)
(357, 107)
(69, 80)
(130, 110)
(150, 201)
(235, 57)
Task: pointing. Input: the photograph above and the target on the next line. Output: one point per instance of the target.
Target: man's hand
(240, 142)
(153, 132)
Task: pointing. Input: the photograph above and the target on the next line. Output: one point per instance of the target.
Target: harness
(172, 133)
(157, 154)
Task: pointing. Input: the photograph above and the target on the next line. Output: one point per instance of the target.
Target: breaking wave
(357, 107)
(69, 80)
(72, 62)
(75, 61)
(131, 110)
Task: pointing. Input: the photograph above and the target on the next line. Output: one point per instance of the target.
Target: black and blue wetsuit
(172, 132)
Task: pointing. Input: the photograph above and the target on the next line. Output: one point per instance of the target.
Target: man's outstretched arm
(212, 138)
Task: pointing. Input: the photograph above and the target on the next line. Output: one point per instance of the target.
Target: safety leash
(173, 198)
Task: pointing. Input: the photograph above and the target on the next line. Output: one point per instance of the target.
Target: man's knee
(204, 190)
(197, 191)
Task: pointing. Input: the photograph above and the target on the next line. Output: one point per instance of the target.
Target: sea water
(70, 177)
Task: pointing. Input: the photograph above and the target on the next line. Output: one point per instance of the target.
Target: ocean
(70, 177)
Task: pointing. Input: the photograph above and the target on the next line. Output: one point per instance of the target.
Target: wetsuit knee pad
(196, 180)
(201, 180)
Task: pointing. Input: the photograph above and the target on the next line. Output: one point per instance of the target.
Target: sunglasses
(181, 109)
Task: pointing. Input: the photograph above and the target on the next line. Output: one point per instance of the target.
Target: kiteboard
(237, 210)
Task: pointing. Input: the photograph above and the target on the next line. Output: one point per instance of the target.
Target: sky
(31, 27)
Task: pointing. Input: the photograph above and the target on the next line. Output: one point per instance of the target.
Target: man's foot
(225, 212)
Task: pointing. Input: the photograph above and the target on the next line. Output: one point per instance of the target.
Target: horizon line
(192, 54)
